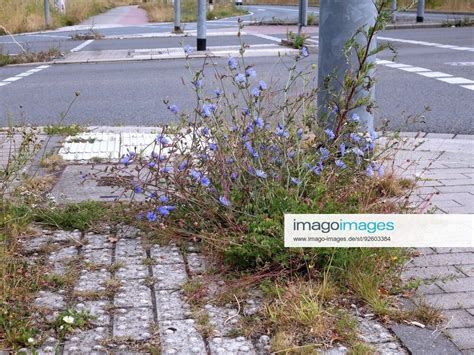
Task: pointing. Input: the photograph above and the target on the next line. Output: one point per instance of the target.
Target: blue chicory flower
(255, 92)
(163, 211)
(262, 85)
(151, 216)
(324, 153)
(342, 149)
(125, 160)
(206, 110)
(213, 146)
(261, 174)
(370, 171)
(224, 201)
(166, 169)
(355, 117)
(205, 131)
(304, 51)
(299, 133)
(140, 216)
(205, 181)
(217, 92)
(163, 199)
(329, 133)
(232, 63)
(164, 140)
(240, 78)
(198, 83)
(173, 108)
(380, 170)
(295, 181)
(151, 164)
(250, 72)
(340, 164)
(137, 190)
(195, 174)
(373, 135)
(188, 49)
(354, 137)
(259, 122)
(182, 165)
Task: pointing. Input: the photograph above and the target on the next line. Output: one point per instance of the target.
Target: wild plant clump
(246, 155)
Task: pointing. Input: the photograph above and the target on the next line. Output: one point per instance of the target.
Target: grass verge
(29, 57)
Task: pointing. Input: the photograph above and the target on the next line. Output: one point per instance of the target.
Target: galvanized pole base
(420, 12)
(177, 16)
(339, 21)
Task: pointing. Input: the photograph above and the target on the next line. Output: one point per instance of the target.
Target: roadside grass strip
(20, 76)
(444, 77)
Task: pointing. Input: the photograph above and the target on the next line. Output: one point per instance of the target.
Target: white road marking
(23, 75)
(423, 43)
(13, 78)
(270, 38)
(435, 74)
(447, 78)
(82, 45)
(456, 80)
(415, 69)
(462, 64)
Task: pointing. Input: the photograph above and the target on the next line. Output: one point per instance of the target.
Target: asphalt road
(125, 93)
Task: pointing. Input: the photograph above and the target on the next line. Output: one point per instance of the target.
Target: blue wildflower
(261, 174)
(125, 160)
(188, 49)
(240, 78)
(151, 164)
(182, 165)
(232, 63)
(151, 216)
(318, 168)
(164, 140)
(255, 92)
(355, 117)
(163, 211)
(224, 201)
(234, 176)
(250, 72)
(354, 137)
(174, 109)
(198, 83)
(163, 199)
(291, 154)
(299, 133)
(342, 149)
(295, 181)
(324, 153)
(140, 216)
(262, 85)
(373, 135)
(329, 133)
(340, 164)
(205, 131)
(358, 152)
(370, 171)
(206, 110)
(195, 174)
(205, 181)
(281, 131)
(170, 208)
(217, 92)
(304, 51)
(213, 146)
(246, 111)
(259, 122)
(137, 190)
(166, 169)
(249, 129)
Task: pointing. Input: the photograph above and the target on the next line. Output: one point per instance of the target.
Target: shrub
(247, 154)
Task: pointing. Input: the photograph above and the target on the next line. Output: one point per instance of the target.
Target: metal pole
(201, 25)
(177, 16)
(47, 19)
(339, 21)
(303, 15)
(420, 13)
(394, 10)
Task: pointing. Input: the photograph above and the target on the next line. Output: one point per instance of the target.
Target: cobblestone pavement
(444, 167)
(147, 311)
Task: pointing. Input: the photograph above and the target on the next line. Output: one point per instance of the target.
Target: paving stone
(451, 300)
(63, 254)
(133, 323)
(171, 305)
(459, 319)
(224, 346)
(390, 348)
(166, 254)
(444, 259)
(92, 280)
(50, 300)
(462, 337)
(222, 319)
(197, 263)
(132, 271)
(424, 341)
(453, 250)
(430, 272)
(372, 332)
(96, 241)
(66, 236)
(429, 289)
(36, 243)
(464, 284)
(130, 232)
(96, 309)
(468, 270)
(129, 251)
(169, 276)
(133, 293)
(86, 342)
(181, 337)
(50, 346)
(98, 256)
